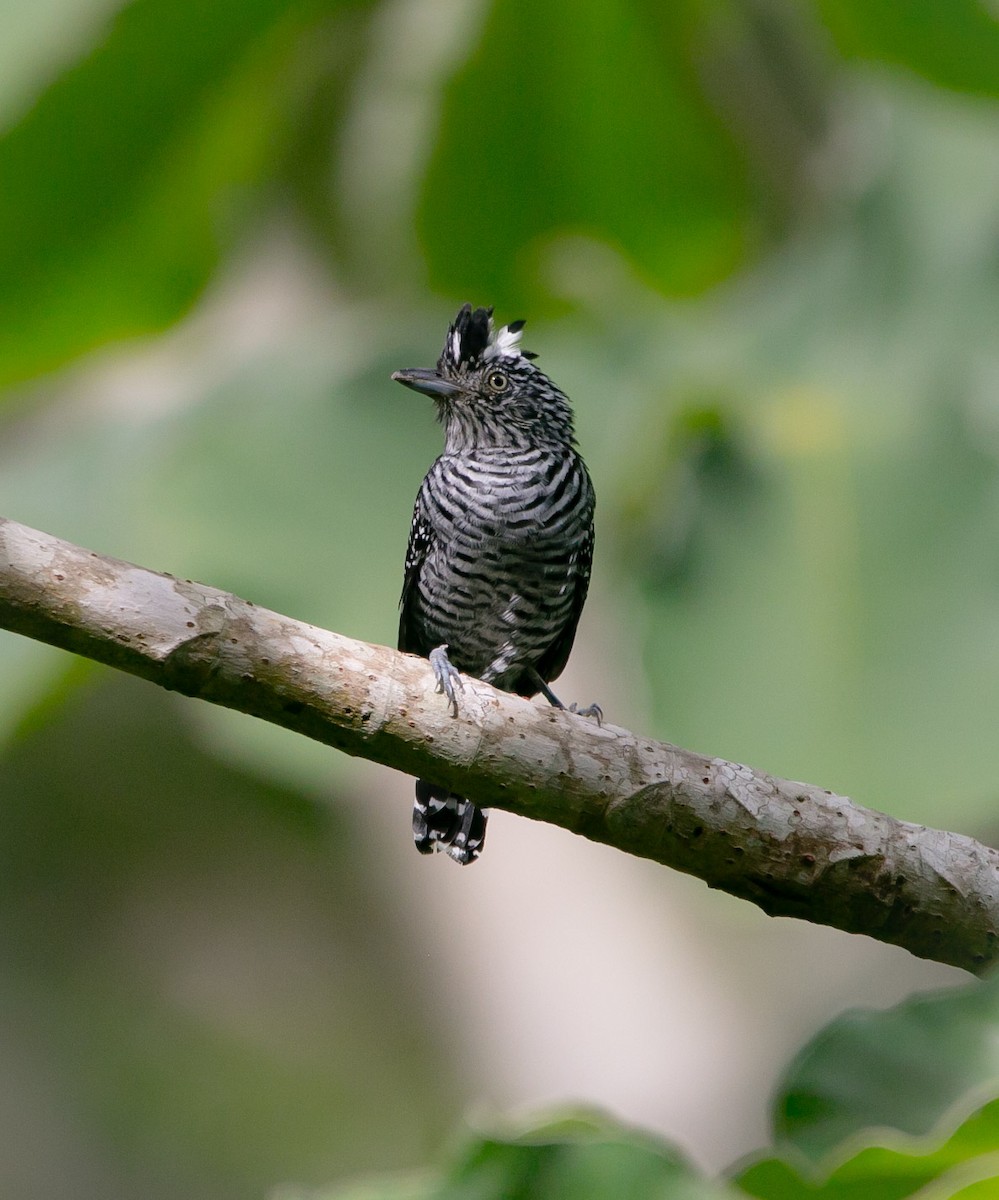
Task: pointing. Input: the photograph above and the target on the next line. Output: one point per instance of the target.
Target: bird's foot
(447, 675)
(591, 710)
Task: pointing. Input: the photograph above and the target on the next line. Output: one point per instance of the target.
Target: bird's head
(488, 390)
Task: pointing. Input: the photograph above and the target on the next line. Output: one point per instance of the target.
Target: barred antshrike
(501, 543)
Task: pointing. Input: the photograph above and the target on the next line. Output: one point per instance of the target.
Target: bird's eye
(497, 381)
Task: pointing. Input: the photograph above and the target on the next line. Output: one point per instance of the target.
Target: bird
(501, 544)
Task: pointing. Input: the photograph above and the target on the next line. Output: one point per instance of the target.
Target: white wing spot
(502, 662)
(509, 614)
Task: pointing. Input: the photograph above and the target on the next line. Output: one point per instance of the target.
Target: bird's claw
(591, 710)
(447, 675)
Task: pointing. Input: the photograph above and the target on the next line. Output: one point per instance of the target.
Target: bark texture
(791, 848)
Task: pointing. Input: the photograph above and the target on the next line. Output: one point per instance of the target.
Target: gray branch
(793, 849)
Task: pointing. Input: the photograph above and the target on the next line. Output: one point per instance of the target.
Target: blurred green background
(757, 241)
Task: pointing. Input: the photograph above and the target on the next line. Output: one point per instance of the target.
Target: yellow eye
(497, 381)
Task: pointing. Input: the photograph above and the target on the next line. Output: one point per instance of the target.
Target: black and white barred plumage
(501, 543)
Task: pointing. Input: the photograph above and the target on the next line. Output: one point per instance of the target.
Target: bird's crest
(472, 340)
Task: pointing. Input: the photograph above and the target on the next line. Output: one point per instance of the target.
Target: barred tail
(442, 819)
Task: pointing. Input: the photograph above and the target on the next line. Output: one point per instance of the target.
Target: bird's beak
(427, 382)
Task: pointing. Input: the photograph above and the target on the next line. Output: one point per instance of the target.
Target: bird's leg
(546, 691)
(591, 710)
(447, 675)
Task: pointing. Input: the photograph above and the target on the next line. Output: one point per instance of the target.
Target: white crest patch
(505, 343)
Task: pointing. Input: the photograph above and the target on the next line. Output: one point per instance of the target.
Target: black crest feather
(467, 338)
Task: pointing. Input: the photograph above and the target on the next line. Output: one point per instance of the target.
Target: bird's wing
(421, 536)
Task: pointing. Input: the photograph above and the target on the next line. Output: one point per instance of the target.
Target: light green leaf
(879, 1172)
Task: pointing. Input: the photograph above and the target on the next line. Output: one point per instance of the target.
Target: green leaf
(955, 43)
(597, 127)
(121, 187)
(579, 1157)
(878, 1172)
(904, 1068)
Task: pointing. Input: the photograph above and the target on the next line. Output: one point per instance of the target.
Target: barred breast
(506, 573)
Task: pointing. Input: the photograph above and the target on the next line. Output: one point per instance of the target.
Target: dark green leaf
(578, 1158)
(954, 43)
(596, 127)
(121, 187)
(903, 1068)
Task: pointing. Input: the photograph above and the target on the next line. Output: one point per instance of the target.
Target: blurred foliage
(888, 1173)
(955, 45)
(121, 186)
(676, 168)
(864, 1096)
(578, 1156)
(906, 1069)
(190, 944)
(857, 1096)
(759, 244)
